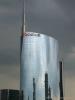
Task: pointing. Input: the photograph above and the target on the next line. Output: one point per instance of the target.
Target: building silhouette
(46, 86)
(6, 94)
(34, 89)
(49, 94)
(61, 83)
(47, 90)
(28, 97)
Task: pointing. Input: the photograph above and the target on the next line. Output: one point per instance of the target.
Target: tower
(49, 94)
(35, 52)
(61, 83)
(28, 97)
(34, 89)
(46, 86)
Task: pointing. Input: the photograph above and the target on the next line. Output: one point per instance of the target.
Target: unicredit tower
(39, 68)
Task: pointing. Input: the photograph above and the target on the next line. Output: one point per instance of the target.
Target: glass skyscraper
(39, 70)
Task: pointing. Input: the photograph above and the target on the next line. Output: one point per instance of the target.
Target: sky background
(53, 17)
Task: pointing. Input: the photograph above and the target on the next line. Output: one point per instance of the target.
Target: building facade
(39, 55)
(6, 94)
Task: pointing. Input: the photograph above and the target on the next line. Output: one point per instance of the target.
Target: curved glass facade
(39, 67)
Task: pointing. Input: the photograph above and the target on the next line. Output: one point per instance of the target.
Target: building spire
(23, 25)
(23, 19)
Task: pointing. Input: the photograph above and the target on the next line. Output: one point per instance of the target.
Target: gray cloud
(9, 57)
(52, 17)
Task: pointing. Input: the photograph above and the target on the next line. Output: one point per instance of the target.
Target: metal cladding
(39, 55)
(61, 83)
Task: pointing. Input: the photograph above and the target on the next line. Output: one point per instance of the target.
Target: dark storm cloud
(9, 3)
(9, 32)
(9, 57)
(9, 11)
(52, 17)
(67, 4)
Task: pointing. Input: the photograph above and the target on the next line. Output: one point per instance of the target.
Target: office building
(8, 94)
(38, 55)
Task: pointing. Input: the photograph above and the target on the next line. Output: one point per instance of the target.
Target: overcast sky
(53, 17)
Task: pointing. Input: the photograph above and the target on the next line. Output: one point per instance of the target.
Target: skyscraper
(49, 93)
(46, 86)
(28, 97)
(39, 54)
(34, 89)
(61, 81)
